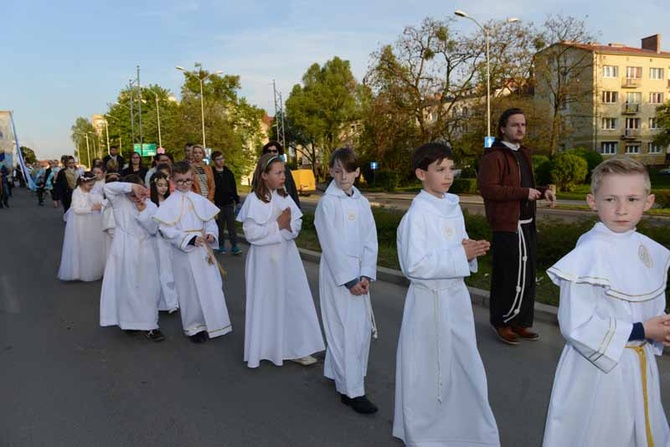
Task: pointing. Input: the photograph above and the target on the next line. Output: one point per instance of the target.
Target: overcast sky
(70, 58)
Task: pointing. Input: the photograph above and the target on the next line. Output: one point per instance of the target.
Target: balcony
(630, 82)
(630, 109)
(630, 134)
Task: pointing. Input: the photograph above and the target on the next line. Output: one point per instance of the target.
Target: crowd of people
(152, 236)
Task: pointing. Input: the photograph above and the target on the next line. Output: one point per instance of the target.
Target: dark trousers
(512, 301)
(40, 196)
(226, 218)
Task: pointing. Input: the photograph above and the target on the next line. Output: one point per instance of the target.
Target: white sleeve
(258, 234)
(370, 245)
(599, 338)
(326, 229)
(80, 204)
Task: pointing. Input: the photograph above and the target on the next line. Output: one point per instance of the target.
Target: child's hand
(284, 220)
(474, 249)
(200, 241)
(140, 191)
(96, 207)
(362, 288)
(658, 329)
(209, 239)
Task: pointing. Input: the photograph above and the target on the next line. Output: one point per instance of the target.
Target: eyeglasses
(184, 181)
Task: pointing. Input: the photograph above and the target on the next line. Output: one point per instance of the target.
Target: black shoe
(360, 404)
(200, 337)
(155, 335)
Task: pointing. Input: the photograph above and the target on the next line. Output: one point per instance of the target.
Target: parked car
(664, 171)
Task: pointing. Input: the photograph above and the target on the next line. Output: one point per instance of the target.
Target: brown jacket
(499, 182)
(210, 182)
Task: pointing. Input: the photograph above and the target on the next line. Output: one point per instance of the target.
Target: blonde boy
(606, 390)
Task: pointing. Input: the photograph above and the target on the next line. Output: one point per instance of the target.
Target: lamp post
(201, 78)
(88, 149)
(487, 34)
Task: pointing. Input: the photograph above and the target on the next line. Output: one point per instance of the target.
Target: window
(655, 73)
(632, 123)
(611, 71)
(633, 148)
(633, 97)
(609, 147)
(609, 124)
(656, 98)
(654, 148)
(653, 123)
(610, 97)
(634, 72)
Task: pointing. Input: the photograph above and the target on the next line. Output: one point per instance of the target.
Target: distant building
(617, 115)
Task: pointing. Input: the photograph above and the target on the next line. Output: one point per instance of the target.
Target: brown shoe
(526, 333)
(506, 335)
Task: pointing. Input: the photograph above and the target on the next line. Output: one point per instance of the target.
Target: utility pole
(139, 93)
(132, 114)
(279, 115)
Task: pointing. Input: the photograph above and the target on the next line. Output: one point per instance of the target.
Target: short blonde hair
(619, 165)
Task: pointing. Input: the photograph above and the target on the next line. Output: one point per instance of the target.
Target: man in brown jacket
(507, 184)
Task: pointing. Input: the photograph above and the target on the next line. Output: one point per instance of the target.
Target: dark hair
(161, 166)
(269, 144)
(430, 153)
(165, 154)
(87, 176)
(181, 167)
(216, 154)
(113, 147)
(154, 190)
(133, 178)
(111, 177)
(347, 157)
(258, 185)
(188, 146)
(130, 162)
(502, 121)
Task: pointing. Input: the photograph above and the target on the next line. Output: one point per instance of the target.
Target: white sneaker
(305, 361)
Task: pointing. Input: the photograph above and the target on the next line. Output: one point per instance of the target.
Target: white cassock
(441, 396)
(130, 287)
(83, 255)
(181, 217)
(281, 320)
(348, 238)
(168, 300)
(606, 389)
(108, 225)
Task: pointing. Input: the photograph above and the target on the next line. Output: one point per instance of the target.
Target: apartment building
(615, 113)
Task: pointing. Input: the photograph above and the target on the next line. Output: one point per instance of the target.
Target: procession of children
(158, 253)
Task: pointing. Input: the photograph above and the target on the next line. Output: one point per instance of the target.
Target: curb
(480, 297)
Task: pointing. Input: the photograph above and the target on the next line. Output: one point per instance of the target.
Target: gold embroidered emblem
(645, 257)
(351, 215)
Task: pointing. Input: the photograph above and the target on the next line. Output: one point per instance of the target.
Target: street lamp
(201, 78)
(486, 31)
(88, 149)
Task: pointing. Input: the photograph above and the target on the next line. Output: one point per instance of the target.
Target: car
(665, 171)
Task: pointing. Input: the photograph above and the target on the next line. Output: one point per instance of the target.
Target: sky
(70, 58)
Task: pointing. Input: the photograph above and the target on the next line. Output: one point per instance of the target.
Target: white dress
(168, 300)
(348, 238)
(130, 288)
(441, 396)
(281, 320)
(83, 255)
(202, 303)
(608, 282)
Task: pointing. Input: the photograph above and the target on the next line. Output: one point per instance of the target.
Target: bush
(542, 166)
(464, 186)
(662, 198)
(568, 171)
(389, 180)
(592, 158)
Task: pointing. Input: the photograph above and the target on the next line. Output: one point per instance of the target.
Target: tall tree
(560, 69)
(318, 111)
(663, 123)
(85, 140)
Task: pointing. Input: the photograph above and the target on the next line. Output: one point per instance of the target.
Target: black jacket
(225, 191)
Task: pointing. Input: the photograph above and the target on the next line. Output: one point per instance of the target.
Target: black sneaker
(155, 335)
(360, 404)
(200, 337)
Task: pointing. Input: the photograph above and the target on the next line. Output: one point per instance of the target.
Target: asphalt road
(64, 381)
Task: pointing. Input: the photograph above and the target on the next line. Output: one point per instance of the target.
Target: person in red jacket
(507, 184)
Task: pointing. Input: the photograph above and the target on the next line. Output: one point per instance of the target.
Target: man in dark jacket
(114, 155)
(507, 184)
(226, 198)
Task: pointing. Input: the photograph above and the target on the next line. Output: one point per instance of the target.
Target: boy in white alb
(186, 220)
(606, 390)
(348, 238)
(130, 287)
(441, 396)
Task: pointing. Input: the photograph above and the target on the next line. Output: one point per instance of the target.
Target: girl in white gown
(281, 320)
(83, 255)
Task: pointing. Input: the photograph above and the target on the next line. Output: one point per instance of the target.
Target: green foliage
(28, 155)
(389, 180)
(568, 170)
(663, 122)
(592, 158)
(542, 166)
(464, 186)
(662, 198)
